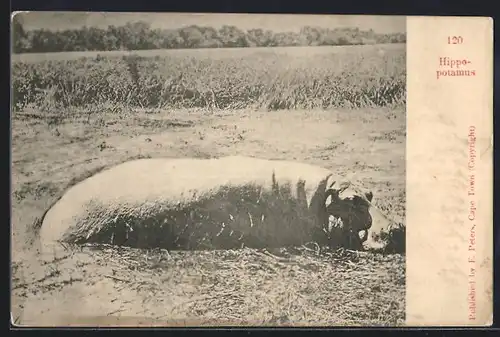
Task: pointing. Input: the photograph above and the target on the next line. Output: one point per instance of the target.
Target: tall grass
(261, 78)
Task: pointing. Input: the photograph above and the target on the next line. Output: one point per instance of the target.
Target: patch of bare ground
(117, 286)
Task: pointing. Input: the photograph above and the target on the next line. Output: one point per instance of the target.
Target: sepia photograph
(183, 169)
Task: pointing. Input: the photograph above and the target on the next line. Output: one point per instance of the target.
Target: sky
(274, 22)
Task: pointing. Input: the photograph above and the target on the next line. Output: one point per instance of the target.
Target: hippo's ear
(343, 186)
(369, 196)
(331, 184)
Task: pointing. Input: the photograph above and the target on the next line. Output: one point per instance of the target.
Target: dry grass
(248, 287)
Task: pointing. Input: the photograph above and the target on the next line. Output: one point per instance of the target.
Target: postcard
(188, 169)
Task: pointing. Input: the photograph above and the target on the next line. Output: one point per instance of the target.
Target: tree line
(140, 36)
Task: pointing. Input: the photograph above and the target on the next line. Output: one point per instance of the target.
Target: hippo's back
(163, 177)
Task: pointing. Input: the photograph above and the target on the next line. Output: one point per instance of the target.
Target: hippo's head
(362, 224)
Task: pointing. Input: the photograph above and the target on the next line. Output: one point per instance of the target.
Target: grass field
(264, 78)
(57, 138)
